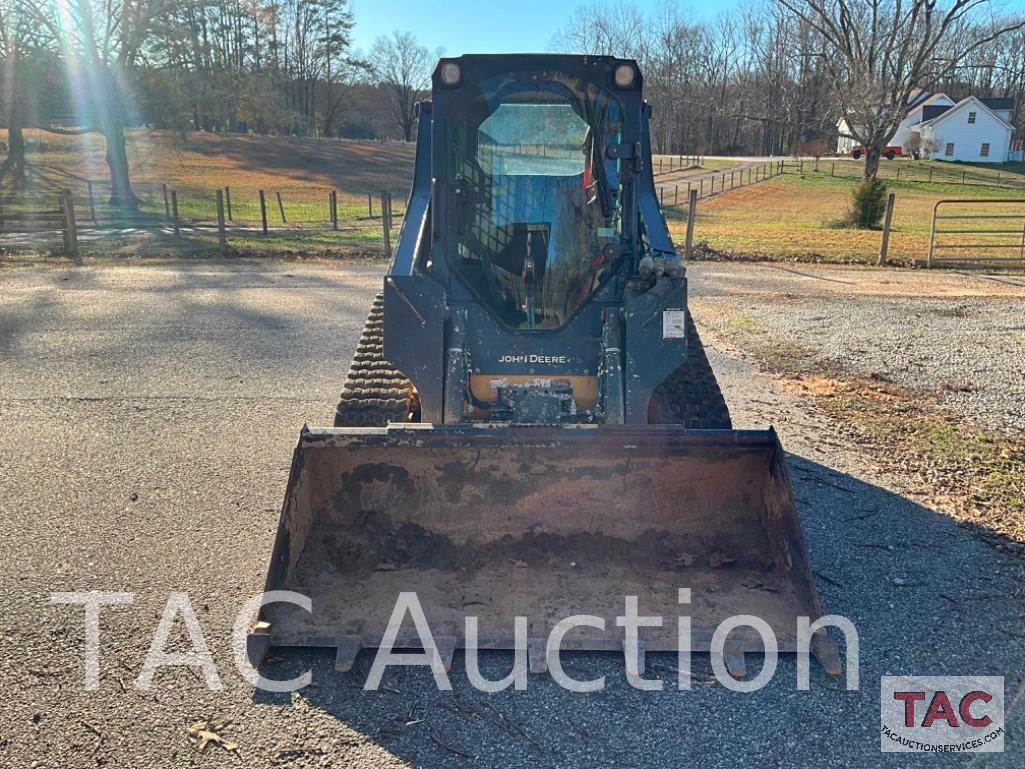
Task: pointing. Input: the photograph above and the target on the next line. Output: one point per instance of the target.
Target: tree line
(770, 78)
(262, 66)
(774, 77)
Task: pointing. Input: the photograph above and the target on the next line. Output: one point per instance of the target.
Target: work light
(450, 73)
(624, 75)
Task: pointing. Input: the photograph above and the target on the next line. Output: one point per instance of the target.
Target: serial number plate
(674, 324)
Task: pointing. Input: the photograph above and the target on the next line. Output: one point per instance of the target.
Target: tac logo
(942, 714)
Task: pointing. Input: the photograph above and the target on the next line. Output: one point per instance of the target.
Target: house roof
(930, 111)
(935, 98)
(918, 95)
(970, 100)
(928, 106)
(1003, 102)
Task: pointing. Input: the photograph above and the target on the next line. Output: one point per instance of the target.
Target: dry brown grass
(973, 474)
(205, 161)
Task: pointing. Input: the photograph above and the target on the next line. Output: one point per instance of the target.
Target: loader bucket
(541, 522)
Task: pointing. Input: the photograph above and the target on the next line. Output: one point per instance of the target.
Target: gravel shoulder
(957, 335)
(148, 417)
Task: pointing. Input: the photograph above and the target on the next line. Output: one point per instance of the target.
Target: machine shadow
(912, 581)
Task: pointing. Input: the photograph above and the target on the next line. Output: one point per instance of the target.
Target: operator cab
(534, 194)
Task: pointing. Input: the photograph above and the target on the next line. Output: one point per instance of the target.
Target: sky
(486, 26)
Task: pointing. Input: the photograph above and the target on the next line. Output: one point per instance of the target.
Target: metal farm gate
(984, 232)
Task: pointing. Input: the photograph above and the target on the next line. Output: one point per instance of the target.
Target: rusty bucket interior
(542, 522)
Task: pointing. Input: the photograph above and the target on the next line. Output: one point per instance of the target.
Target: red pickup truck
(889, 153)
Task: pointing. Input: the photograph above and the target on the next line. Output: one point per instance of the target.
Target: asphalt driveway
(147, 418)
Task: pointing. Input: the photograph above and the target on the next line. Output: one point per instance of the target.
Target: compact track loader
(530, 426)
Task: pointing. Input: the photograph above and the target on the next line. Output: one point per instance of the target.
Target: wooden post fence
(263, 211)
(174, 212)
(167, 205)
(385, 224)
(222, 238)
(227, 201)
(92, 202)
(67, 207)
(692, 205)
(333, 203)
(281, 208)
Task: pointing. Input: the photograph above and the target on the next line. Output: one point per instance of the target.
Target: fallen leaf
(204, 733)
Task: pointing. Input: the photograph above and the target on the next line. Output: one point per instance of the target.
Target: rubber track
(374, 393)
(690, 396)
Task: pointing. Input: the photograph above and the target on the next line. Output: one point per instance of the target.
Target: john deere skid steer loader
(530, 426)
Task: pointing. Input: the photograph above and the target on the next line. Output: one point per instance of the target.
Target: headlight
(624, 76)
(450, 73)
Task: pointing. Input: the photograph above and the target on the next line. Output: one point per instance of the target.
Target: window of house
(950, 150)
(971, 117)
(984, 152)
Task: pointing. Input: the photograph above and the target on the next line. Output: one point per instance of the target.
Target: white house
(919, 101)
(973, 129)
(936, 101)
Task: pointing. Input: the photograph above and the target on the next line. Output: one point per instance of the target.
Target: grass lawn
(936, 171)
(349, 242)
(707, 164)
(794, 216)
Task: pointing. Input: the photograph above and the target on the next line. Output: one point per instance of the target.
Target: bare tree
(403, 67)
(604, 29)
(877, 52)
(748, 81)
